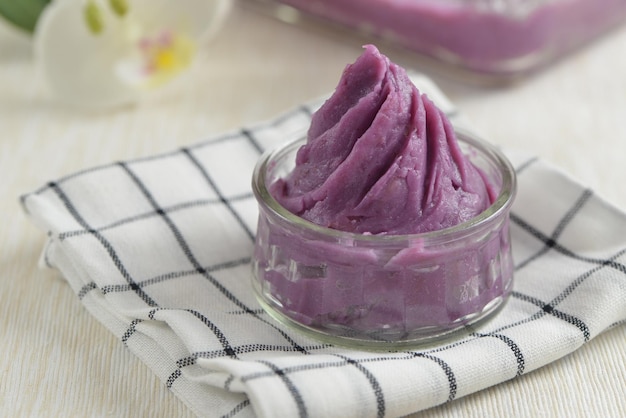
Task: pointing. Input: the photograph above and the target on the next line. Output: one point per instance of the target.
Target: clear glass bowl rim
(500, 205)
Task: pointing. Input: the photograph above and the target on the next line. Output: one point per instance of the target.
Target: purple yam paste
(493, 37)
(381, 159)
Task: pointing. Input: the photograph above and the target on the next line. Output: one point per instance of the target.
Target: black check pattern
(158, 249)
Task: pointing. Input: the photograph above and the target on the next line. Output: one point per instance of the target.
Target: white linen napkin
(158, 249)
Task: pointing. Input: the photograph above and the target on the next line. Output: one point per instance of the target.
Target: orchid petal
(112, 67)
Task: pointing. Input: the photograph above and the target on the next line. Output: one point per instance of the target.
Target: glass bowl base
(384, 339)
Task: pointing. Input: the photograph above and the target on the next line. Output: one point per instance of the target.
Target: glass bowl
(382, 291)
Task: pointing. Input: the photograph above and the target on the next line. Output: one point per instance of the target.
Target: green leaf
(22, 13)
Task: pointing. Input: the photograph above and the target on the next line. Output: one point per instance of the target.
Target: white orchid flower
(102, 53)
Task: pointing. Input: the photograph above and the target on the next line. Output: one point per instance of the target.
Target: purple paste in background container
(498, 38)
(383, 291)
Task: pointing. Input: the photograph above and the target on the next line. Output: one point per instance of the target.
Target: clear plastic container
(382, 291)
(499, 38)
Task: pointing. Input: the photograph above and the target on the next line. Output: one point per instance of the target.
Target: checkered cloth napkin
(158, 249)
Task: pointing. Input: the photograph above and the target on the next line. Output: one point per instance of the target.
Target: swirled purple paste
(381, 158)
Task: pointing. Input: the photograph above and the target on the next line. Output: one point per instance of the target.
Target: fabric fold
(158, 250)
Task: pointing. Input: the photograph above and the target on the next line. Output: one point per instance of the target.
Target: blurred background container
(492, 40)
